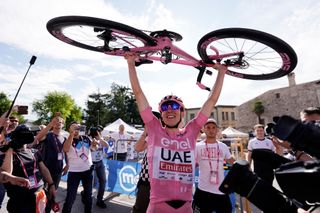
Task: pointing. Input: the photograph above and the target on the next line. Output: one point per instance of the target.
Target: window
(192, 115)
(277, 95)
(223, 118)
(227, 116)
(212, 115)
(233, 116)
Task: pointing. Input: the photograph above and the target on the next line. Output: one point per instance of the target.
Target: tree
(106, 108)
(258, 109)
(4, 103)
(56, 102)
(96, 112)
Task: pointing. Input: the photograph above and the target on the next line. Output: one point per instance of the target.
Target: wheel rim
(259, 59)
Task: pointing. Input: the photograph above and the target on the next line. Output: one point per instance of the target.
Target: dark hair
(93, 131)
(311, 110)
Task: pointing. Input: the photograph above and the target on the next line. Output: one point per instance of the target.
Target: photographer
(97, 160)
(25, 164)
(299, 180)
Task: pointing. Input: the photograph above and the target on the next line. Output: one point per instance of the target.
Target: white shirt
(215, 153)
(79, 155)
(260, 144)
(121, 145)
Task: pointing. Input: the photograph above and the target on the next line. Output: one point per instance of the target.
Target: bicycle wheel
(97, 34)
(249, 54)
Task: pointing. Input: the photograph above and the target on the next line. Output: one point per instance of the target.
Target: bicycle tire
(277, 57)
(97, 34)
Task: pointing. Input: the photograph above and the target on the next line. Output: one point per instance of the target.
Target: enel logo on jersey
(174, 144)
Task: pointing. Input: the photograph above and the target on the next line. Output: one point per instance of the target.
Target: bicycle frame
(183, 58)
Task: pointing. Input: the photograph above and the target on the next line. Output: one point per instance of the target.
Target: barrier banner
(122, 177)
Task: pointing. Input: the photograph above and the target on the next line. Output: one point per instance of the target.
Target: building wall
(284, 101)
(224, 114)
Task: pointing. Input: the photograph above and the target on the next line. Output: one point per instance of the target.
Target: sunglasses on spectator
(170, 105)
(13, 121)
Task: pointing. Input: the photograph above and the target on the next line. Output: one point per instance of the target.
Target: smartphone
(22, 110)
(82, 129)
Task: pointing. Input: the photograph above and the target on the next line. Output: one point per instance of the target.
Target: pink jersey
(171, 158)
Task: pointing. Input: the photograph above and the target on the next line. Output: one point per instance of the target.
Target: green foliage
(4, 103)
(258, 109)
(106, 108)
(56, 102)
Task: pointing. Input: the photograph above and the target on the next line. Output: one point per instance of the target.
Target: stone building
(277, 102)
(224, 115)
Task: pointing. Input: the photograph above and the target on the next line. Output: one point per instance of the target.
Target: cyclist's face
(171, 117)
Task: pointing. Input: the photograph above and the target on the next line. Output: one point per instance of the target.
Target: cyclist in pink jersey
(170, 148)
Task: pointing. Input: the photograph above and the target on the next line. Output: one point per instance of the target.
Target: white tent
(233, 133)
(114, 127)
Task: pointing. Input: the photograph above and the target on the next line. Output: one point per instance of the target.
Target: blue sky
(81, 72)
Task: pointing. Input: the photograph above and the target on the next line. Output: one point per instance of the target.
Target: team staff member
(263, 170)
(210, 156)
(121, 143)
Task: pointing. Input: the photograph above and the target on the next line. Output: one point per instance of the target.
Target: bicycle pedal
(143, 61)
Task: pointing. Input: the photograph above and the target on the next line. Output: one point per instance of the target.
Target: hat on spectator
(211, 120)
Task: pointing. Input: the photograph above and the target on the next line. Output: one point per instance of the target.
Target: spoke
(235, 43)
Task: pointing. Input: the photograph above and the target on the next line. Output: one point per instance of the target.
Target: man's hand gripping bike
(248, 53)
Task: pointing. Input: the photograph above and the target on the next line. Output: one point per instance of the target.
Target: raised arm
(215, 91)
(135, 84)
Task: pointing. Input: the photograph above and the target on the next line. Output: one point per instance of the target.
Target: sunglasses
(170, 105)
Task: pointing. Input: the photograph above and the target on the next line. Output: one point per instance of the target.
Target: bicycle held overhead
(248, 53)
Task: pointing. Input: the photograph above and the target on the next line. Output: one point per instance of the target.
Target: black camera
(298, 180)
(93, 131)
(303, 136)
(20, 136)
(263, 195)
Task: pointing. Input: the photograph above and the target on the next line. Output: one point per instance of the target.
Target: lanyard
(24, 168)
(57, 141)
(218, 155)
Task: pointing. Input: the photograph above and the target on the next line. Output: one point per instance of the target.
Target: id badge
(60, 156)
(84, 157)
(33, 183)
(213, 177)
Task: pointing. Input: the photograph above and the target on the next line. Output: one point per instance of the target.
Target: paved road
(119, 204)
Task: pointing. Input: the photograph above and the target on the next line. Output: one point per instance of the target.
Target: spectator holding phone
(51, 149)
(78, 148)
